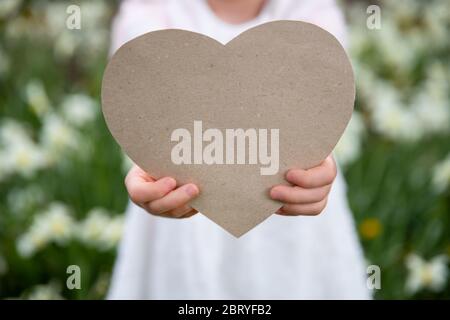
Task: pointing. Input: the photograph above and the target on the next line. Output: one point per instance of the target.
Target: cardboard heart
(286, 75)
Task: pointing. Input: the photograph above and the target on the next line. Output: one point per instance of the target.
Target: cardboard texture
(286, 75)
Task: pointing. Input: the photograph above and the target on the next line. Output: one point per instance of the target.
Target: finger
(319, 176)
(141, 190)
(190, 214)
(174, 199)
(299, 195)
(184, 211)
(309, 209)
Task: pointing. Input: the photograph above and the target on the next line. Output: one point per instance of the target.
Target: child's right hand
(160, 197)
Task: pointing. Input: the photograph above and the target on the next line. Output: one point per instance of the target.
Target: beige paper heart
(286, 75)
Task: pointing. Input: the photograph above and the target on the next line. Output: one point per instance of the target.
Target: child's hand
(309, 193)
(307, 196)
(160, 197)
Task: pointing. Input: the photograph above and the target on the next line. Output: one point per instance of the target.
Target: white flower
(392, 119)
(59, 221)
(393, 46)
(58, 136)
(431, 104)
(67, 42)
(433, 115)
(23, 158)
(93, 13)
(8, 6)
(112, 233)
(365, 81)
(90, 230)
(428, 112)
(45, 292)
(431, 275)
(441, 175)
(55, 17)
(79, 109)
(100, 230)
(54, 225)
(19, 153)
(33, 240)
(349, 146)
(12, 132)
(37, 97)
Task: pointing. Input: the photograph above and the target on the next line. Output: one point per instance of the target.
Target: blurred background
(62, 196)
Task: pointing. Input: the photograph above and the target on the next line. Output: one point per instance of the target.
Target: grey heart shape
(288, 75)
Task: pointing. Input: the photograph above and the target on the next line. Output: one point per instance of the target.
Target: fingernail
(274, 193)
(289, 175)
(170, 182)
(191, 190)
(295, 174)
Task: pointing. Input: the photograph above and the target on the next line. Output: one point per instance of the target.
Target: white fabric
(282, 258)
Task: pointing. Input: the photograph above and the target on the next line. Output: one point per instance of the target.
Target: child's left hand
(309, 193)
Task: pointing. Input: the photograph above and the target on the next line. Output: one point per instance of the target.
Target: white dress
(283, 257)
